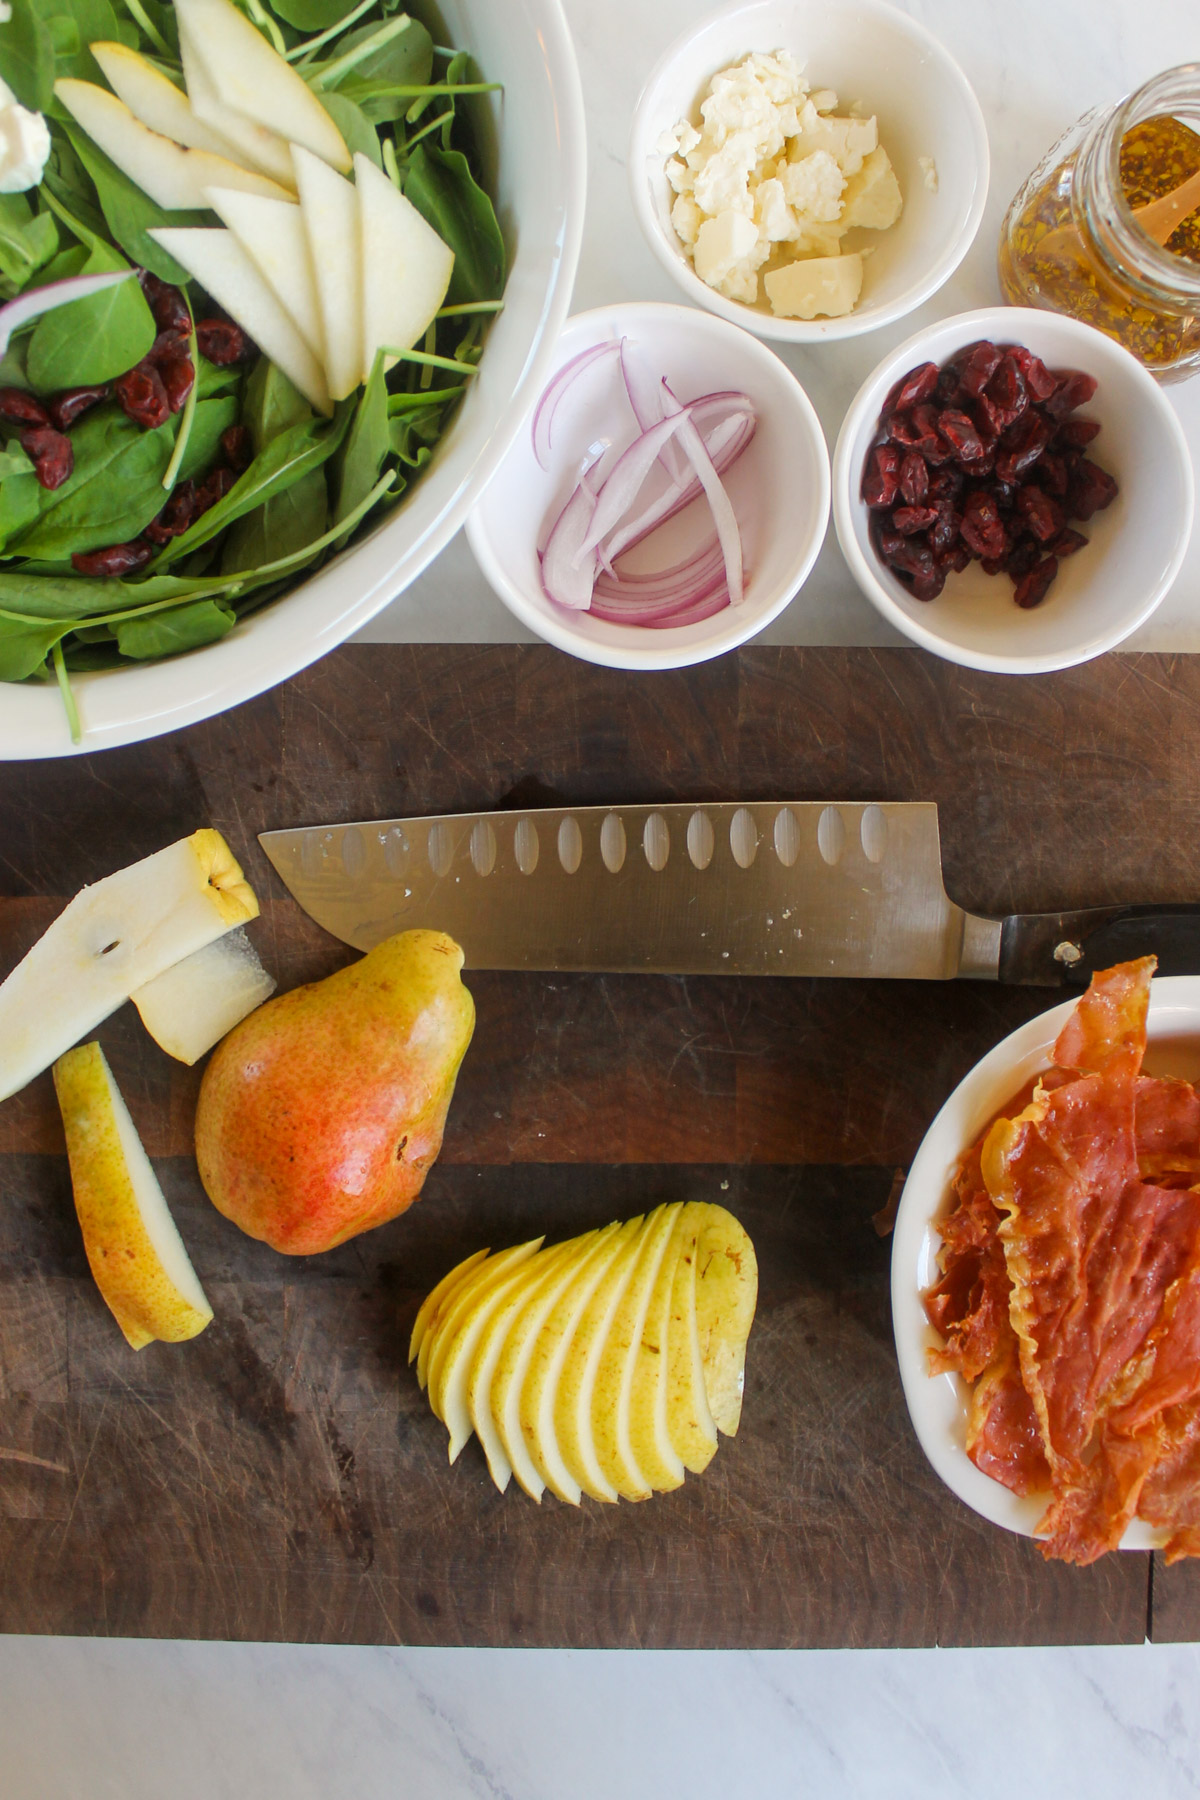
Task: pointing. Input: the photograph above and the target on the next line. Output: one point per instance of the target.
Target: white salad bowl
(878, 60)
(1135, 546)
(779, 485)
(937, 1404)
(540, 189)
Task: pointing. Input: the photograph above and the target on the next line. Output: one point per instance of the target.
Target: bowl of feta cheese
(809, 172)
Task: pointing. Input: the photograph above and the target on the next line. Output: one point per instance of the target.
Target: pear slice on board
(272, 234)
(406, 266)
(649, 1434)
(466, 1334)
(110, 940)
(435, 1304)
(485, 1361)
(573, 1400)
(330, 208)
(474, 1289)
(134, 1249)
(250, 143)
(690, 1424)
(175, 178)
(540, 1385)
(520, 1341)
(619, 1360)
(251, 78)
(726, 1296)
(191, 1005)
(160, 105)
(219, 263)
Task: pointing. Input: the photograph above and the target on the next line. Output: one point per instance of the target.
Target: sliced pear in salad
(272, 234)
(253, 144)
(329, 204)
(177, 179)
(602, 1365)
(133, 1245)
(157, 102)
(249, 76)
(220, 264)
(190, 1006)
(112, 939)
(406, 268)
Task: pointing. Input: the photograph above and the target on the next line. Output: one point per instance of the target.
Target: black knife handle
(1066, 949)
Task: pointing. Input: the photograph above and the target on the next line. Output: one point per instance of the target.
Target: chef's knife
(844, 889)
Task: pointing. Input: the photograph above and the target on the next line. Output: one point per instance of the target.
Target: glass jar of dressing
(1071, 241)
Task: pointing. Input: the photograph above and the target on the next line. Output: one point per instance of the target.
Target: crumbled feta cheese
(772, 166)
(929, 171)
(826, 286)
(24, 144)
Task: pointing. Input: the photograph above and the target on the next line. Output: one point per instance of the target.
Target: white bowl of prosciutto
(1046, 1275)
(347, 237)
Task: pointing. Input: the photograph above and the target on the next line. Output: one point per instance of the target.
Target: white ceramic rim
(982, 323)
(863, 319)
(1174, 1013)
(113, 722)
(658, 654)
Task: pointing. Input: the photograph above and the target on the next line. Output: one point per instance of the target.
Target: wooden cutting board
(281, 1477)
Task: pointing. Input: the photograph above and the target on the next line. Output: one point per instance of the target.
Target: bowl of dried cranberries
(1013, 491)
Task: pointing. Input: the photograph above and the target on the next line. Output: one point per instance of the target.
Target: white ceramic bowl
(938, 1404)
(779, 486)
(1135, 546)
(869, 53)
(540, 156)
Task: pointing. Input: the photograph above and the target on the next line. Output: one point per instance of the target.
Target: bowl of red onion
(1013, 491)
(667, 498)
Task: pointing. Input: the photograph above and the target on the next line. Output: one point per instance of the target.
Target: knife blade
(849, 889)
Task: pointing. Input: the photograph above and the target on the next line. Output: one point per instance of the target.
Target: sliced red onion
(569, 576)
(724, 442)
(18, 312)
(645, 393)
(628, 476)
(724, 517)
(547, 406)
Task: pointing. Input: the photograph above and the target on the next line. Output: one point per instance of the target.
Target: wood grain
(282, 1477)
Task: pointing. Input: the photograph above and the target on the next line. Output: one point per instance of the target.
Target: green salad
(172, 454)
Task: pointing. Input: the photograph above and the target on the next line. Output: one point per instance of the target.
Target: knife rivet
(1067, 953)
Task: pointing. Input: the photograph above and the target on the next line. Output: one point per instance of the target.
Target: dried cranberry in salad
(984, 460)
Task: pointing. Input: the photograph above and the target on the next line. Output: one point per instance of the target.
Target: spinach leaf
(90, 21)
(93, 339)
(13, 460)
(272, 403)
(215, 378)
(295, 453)
(362, 457)
(66, 180)
(129, 213)
(28, 240)
(405, 60)
(413, 435)
(114, 491)
(311, 15)
(212, 417)
(27, 55)
(73, 597)
(20, 504)
(354, 125)
(442, 188)
(59, 268)
(180, 628)
(24, 648)
(286, 523)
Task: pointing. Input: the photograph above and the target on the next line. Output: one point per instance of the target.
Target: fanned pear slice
(474, 1292)
(175, 178)
(512, 1365)
(248, 142)
(576, 1383)
(613, 1383)
(191, 1005)
(251, 78)
(134, 1249)
(112, 939)
(485, 1361)
(272, 234)
(406, 266)
(223, 269)
(690, 1424)
(649, 1434)
(159, 104)
(436, 1302)
(330, 208)
(460, 1352)
(726, 1296)
(540, 1384)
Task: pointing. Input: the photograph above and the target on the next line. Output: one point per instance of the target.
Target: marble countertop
(137, 1719)
(1035, 68)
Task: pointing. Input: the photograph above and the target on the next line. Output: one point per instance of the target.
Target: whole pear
(319, 1115)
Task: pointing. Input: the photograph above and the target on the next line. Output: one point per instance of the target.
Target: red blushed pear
(320, 1114)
